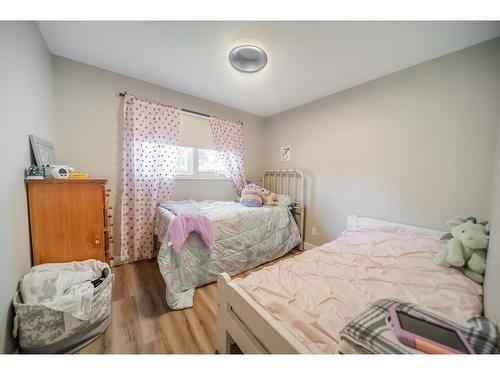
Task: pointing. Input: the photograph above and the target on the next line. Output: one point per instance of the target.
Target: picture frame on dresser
(43, 151)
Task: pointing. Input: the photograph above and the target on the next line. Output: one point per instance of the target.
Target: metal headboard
(289, 182)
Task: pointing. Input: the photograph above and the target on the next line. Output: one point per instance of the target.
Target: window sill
(200, 178)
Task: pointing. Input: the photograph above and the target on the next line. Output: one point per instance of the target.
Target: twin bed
(300, 304)
(245, 237)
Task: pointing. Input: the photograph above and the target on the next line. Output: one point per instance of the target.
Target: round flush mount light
(248, 59)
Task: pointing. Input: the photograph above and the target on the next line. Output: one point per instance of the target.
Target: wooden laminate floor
(143, 323)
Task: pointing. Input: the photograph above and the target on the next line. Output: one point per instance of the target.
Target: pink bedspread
(317, 293)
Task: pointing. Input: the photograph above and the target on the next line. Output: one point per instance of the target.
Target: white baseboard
(116, 261)
(309, 246)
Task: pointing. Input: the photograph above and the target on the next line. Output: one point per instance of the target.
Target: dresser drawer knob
(97, 242)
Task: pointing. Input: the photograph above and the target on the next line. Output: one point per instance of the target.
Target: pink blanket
(315, 294)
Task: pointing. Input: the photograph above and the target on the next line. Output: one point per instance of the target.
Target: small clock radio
(57, 171)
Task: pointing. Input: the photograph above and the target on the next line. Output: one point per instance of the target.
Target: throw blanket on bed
(371, 332)
(188, 219)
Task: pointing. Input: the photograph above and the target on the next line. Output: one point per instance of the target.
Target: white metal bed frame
(243, 321)
(289, 182)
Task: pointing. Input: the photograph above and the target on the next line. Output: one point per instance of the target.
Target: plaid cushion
(371, 332)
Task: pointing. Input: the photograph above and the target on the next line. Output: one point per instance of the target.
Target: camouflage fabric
(39, 326)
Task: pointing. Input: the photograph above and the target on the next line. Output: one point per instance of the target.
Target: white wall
(415, 146)
(88, 127)
(26, 107)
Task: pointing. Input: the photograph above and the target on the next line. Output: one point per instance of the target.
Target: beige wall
(415, 146)
(26, 107)
(88, 127)
(492, 277)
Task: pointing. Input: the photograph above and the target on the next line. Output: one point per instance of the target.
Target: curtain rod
(123, 93)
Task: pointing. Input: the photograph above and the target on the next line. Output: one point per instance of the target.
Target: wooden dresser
(69, 220)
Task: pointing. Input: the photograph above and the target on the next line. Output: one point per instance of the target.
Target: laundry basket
(44, 330)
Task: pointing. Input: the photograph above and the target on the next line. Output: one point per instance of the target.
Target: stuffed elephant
(467, 247)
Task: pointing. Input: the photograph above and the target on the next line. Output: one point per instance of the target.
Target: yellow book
(78, 175)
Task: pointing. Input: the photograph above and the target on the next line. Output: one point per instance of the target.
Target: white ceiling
(307, 60)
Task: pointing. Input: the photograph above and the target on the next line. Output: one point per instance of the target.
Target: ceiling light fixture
(248, 59)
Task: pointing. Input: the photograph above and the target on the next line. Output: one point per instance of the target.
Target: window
(184, 161)
(198, 163)
(209, 162)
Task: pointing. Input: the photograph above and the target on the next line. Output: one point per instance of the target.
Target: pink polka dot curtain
(150, 136)
(228, 137)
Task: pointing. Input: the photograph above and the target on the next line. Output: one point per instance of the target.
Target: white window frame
(197, 175)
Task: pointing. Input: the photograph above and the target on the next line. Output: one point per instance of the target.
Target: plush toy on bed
(269, 198)
(251, 196)
(467, 246)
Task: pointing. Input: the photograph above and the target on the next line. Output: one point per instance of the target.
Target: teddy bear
(269, 198)
(467, 246)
